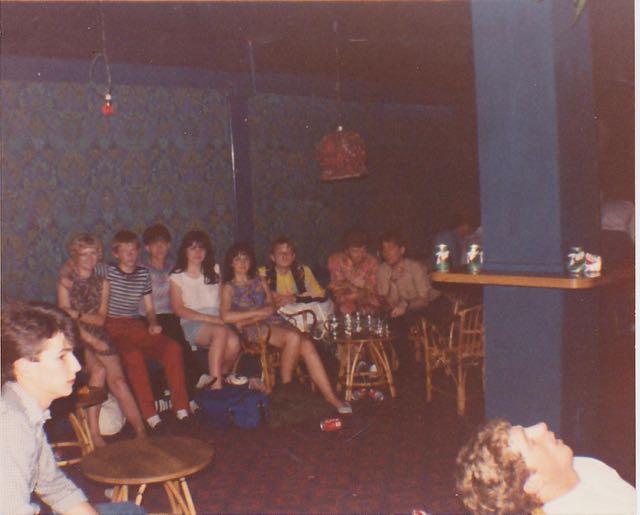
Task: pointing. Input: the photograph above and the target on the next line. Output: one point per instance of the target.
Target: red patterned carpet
(390, 457)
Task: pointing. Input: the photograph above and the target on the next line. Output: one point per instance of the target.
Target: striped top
(127, 291)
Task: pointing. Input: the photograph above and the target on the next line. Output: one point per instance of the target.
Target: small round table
(142, 461)
(368, 348)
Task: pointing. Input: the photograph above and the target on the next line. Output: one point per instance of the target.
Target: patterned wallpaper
(416, 163)
(165, 157)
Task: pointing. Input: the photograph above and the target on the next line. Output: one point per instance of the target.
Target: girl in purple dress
(246, 300)
(84, 296)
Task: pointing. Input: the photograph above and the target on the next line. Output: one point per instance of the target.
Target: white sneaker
(345, 409)
(205, 380)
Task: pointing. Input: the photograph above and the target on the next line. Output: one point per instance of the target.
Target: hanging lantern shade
(341, 155)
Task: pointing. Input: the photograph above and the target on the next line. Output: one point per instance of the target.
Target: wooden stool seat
(142, 461)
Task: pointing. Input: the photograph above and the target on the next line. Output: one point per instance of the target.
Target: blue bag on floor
(233, 405)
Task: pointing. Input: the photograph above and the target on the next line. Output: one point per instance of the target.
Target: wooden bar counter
(533, 280)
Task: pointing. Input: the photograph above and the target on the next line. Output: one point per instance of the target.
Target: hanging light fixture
(341, 154)
(107, 99)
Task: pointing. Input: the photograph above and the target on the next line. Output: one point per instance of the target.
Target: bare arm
(154, 328)
(64, 301)
(243, 317)
(100, 316)
(183, 311)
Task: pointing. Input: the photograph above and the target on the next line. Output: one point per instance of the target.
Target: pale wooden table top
(147, 460)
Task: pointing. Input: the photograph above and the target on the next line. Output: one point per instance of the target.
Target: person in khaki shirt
(403, 282)
(404, 285)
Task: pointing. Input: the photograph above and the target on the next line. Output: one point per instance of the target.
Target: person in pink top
(353, 275)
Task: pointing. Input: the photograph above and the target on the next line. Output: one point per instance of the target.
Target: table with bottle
(365, 352)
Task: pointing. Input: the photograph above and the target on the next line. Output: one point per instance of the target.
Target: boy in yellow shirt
(293, 284)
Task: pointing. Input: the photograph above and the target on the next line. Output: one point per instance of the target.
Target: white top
(619, 215)
(600, 491)
(196, 295)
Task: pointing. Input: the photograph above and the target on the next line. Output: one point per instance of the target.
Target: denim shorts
(190, 328)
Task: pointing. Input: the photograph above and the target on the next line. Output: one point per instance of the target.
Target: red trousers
(134, 343)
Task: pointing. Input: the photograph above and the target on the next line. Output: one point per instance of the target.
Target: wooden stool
(143, 461)
(86, 397)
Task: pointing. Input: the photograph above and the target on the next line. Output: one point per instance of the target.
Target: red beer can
(331, 424)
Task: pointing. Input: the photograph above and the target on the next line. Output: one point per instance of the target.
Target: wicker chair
(459, 300)
(85, 397)
(305, 320)
(456, 349)
(269, 356)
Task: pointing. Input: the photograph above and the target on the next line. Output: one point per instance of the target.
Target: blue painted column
(241, 167)
(539, 195)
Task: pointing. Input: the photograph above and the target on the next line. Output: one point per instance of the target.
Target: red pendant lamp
(341, 154)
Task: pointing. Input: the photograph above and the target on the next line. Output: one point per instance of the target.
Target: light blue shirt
(27, 462)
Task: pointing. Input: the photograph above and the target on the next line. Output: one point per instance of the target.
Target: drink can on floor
(441, 257)
(331, 424)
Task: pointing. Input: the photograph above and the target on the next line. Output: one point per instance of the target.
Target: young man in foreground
(507, 470)
(38, 366)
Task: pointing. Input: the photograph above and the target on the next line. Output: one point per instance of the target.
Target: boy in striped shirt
(129, 285)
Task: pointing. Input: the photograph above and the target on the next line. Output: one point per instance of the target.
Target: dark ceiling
(415, 52)
(418, 52)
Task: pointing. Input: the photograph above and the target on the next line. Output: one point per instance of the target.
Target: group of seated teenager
(133, 310)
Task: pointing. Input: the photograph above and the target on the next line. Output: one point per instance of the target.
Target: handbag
(233, 405)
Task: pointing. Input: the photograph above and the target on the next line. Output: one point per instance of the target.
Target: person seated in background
(247, 300)
(402, 282)
(459, 237)
(404, 285)
(195, 297)
(618, 232)
(131, 283)
(85, 299)
(353, 275)
(510, 470)
(293, 285)
(157, 242)
(38, 366)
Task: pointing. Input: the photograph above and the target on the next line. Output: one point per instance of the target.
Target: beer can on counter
(331, 424)
(575, 260)
(474, 258)
(441, 257)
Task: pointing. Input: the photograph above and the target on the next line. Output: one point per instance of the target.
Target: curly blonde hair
(82, 241)
(490, 476)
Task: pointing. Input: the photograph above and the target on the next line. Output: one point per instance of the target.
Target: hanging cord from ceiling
(252, 64)
(104, 57)
(338, 77)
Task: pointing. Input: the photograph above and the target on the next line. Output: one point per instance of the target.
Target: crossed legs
(294, 345)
